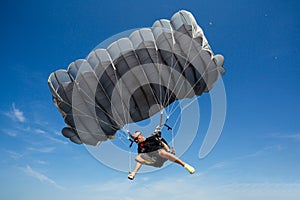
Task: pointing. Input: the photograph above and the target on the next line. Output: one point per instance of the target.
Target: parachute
(134, 78)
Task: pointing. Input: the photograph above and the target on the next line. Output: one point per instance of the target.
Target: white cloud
(56, 140)
(14, 154)
(41, 162)
(192, 187)
(42, 150)
(41, 177)
(16, 114)
(219, 165)
(57, 133)
(39, 131)
(295, 136)
(11, 133)
(262, 152)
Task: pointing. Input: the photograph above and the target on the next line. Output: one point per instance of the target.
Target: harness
(157, 132)
(151, 144)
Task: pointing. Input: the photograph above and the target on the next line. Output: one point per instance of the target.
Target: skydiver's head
(138, 137)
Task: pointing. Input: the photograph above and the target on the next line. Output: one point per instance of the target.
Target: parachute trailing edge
(134, 78)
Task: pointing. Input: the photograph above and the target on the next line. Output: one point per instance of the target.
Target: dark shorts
(154, 157)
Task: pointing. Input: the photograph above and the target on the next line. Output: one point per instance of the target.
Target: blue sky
(257, 155)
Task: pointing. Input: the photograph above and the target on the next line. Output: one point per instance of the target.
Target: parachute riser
(165, 123)
(157, 129)
(130, 138)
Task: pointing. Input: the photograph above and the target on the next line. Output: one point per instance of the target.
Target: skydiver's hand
(173, 151)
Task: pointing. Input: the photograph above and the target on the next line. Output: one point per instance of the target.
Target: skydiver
(154, 151)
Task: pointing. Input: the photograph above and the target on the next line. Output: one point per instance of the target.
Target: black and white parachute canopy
(134, 78)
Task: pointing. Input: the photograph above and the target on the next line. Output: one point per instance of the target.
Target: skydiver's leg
(170, 157)
(163, 153)
(136, 169)
(139, 162)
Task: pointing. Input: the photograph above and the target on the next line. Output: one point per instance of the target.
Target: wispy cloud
(19, 130)
(41, 162)
(11, 133)
(14, 154)
(107, 187)
(42, 150)
(193, 187)
(16, 114)
(39, 131)
(219, 165)
(41, 177)
(263, 151)
(295, 136)
(57, 140)
(234, 162)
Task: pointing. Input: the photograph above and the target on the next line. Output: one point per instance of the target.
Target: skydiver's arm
(166, 146)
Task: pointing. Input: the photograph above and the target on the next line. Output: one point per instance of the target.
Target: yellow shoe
(189, 168)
